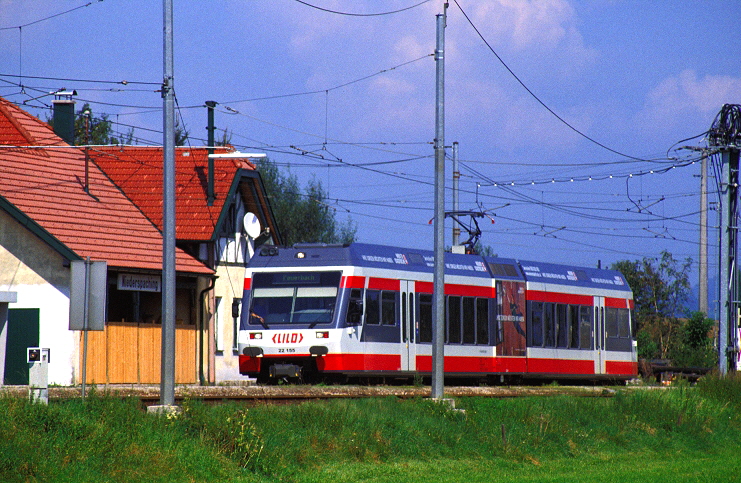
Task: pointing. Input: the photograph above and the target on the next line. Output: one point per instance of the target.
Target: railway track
(150, 394)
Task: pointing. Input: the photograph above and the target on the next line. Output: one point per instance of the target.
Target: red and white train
(318, 312)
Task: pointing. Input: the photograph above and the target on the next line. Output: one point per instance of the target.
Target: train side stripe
(375, 283)
(353, 281)
(458, 289)
(562, 298)
(621, 367)
(618, 303)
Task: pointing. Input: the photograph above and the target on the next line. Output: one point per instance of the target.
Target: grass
(678, 434)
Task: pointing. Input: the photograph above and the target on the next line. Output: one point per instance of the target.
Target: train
(318, 312)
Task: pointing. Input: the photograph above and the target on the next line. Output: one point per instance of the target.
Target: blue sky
(350, 100)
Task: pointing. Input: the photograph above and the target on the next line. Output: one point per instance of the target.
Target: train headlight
(255, 335)
(322, 335)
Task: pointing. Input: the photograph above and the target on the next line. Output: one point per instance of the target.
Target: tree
(695, 346)
(181, 134)
(660, 290)
(302, 217)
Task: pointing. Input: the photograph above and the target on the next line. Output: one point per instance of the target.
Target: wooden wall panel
(95, 370)
(186, 354)
(150, 353)
(130, 353)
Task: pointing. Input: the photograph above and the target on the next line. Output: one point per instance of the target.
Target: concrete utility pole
(728, 251)
(438, 305)
(703, 282)
(167, 382)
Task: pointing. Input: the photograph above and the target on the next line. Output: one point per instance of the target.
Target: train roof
(377, 256)
(571, 275)
(414, 260)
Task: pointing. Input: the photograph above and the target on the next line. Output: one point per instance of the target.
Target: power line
(566, 123)
(321, 91)
(84, 81)
(350, 14)
(49, 17)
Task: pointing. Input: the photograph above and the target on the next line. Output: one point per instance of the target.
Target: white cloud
(410, 47)
(533, 27)
(685, 96)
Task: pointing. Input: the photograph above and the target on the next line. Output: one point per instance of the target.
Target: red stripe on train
(458, 289)
(560, 366)
(359, 362)
(353, 281)
(375, 283)
(618, 303)
(621, 368)
(562, 298)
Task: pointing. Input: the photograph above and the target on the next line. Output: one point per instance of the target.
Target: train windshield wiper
(254, 316)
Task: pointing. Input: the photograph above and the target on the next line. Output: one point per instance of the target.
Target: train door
(599, 335)
(408, 327)
(510, 319)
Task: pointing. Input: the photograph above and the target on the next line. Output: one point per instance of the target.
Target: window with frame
(562, 325)
(469, 320)
(482, 321)
(574, 326)
(535, 319)
(372, 304)
(549, 326)
(454, 319)
(586, 327)
(425, 317)
(388, 308)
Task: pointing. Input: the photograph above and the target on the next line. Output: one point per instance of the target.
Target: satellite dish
(251, 225)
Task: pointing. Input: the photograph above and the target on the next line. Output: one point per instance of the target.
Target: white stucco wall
(38, 275)
(229, 285)
(54, 330)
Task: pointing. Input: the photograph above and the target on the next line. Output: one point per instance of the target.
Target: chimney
(64, 115)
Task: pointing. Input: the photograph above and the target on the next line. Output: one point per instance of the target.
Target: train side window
(404, 318)
(425, 317)
(535, 331)
(469, 320)
(562, 325)
(454, 320)
(574, 324)
(355, 307)
(611, 321)
(372, 312)
(388, 308)
(586, 324)
(411, 317)
(549, 327)
(482, 321)
(623, 316)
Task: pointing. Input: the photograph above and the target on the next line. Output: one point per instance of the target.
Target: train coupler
(285, 370)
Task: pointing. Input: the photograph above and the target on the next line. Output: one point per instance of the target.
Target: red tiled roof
(137, 170)
(46, 183)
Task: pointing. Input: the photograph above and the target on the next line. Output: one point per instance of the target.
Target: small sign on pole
(87, 297)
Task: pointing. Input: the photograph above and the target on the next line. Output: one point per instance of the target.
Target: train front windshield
(293, 298)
